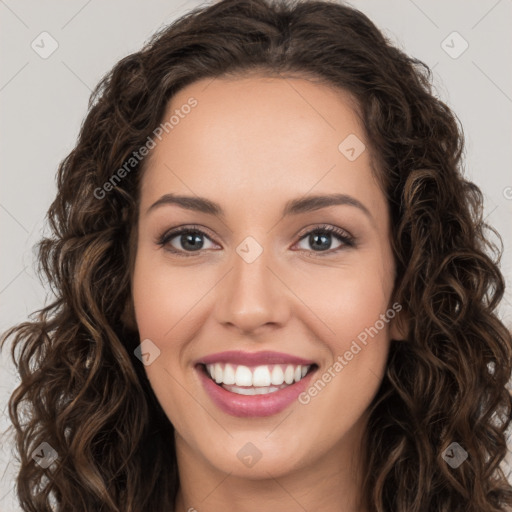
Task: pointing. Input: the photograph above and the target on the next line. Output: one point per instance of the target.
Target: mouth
(255, 380)
(254, 384)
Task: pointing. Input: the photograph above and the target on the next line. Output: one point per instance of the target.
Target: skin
(251, 144)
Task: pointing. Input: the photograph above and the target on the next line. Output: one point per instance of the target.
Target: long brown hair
(84, 392)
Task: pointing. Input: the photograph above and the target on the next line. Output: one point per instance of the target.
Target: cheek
(350, 305)
(346, 299)
(163, 295)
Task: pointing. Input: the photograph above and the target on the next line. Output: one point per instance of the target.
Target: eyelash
(341, 234)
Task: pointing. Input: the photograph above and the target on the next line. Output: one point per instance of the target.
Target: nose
(253, 295)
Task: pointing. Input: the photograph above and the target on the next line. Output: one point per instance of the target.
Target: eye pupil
(194, 239)
(313, 238)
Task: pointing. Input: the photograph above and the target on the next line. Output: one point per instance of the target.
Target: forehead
(259, 138)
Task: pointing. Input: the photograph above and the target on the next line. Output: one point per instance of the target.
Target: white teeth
(252, 391)
(229, 374)
(218, 373)
(289, 374)
(243, 376)
(278, 375)
(263, 376)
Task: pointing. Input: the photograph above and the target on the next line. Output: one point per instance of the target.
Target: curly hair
(83, 391)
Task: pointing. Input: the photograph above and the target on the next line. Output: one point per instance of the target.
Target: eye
(191, 240)
(189, 237)
(320, 238)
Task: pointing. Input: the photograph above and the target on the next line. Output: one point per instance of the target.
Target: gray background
(43, 102)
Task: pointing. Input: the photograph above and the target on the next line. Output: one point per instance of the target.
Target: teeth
(260, 376)
(243, 376)
(289, 374)
(217, 374)
(253, 391)
(228, 376)
(278, 375)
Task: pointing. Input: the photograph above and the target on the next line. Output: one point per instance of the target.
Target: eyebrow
(293, 207)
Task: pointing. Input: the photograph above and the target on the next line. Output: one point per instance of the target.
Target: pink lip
(239, 357)
(253, 405)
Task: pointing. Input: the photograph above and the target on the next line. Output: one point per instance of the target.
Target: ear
(399, 325)
(128, 315)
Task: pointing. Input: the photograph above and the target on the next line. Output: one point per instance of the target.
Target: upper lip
(239, 357)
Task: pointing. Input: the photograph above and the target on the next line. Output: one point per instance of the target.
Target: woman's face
(253, 280)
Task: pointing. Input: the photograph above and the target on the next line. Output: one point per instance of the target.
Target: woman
(209, 347)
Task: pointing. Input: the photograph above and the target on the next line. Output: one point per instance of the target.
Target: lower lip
(253, 405)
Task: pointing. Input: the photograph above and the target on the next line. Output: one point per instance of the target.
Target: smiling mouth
(258, 380)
